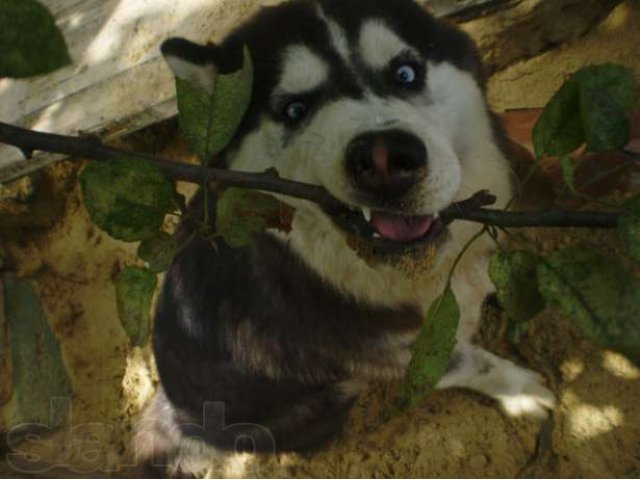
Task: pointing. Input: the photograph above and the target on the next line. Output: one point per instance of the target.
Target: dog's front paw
(527, 395)
(518, 390)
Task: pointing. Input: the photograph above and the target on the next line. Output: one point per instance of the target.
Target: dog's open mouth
(389, 232)
(401, 228)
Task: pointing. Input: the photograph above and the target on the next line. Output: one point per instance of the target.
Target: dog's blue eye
(296, 111)
(406, 75)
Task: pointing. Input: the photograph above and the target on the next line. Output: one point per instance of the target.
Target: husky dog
(265, 348)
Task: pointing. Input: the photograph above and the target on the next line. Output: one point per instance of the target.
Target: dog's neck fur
(327, 252)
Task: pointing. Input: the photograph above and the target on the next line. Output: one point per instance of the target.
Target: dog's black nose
(386, 163)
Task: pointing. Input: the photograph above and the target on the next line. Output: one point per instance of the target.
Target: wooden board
(467, 9)
(118, 82)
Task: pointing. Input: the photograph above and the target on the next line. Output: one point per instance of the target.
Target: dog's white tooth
(366, 212)
(376, 235)
(436, 216)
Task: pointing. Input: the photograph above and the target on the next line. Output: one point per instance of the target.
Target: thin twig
(471, 210)
(633, 155)
(552, 218)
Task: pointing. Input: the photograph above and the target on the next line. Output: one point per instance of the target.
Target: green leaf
(559, 131)
(30, 42)
(516, 331)
(127, 198)
(135, 287)
(568, 172)
(617, 81)
(601, 296)
(39, 372)
(432, 351)
(241, 214)
(589, 108)
(513, 274)
(606, 123)
(210, 119)
(606, 95)
(629, 227)
(158, 251)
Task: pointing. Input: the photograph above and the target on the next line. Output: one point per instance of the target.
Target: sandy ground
(594, 431)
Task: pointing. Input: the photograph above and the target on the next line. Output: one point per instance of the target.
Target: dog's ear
(200, 64)
(191, 62)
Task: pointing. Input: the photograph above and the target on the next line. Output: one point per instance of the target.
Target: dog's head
(375, 100)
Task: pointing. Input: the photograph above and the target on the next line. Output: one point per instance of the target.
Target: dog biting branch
(472, 209)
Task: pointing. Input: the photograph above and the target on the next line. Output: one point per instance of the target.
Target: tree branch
(472, 209)
(552, 218)
(91, 148)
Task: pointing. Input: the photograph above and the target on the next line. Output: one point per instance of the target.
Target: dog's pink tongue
(401, 228)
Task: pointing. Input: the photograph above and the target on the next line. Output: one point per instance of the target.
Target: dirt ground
(594, 431)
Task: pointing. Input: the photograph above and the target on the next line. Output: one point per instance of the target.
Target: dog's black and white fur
(264, 348)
